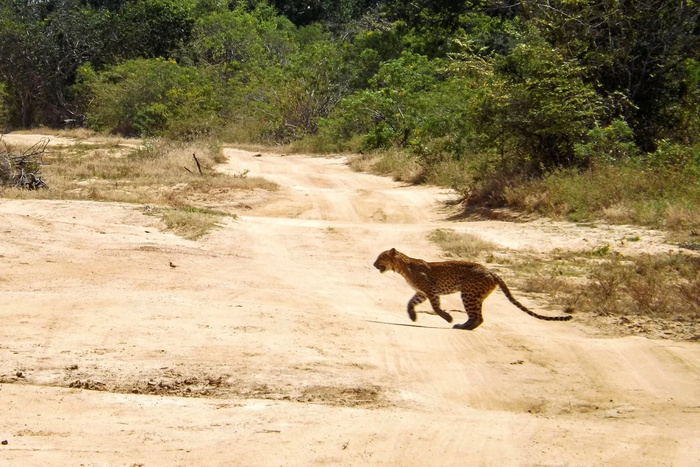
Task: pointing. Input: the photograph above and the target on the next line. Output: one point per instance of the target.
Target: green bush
(309, 88)
(612, 143)
(151, 28)
(241, 43)
(152, 98)
(533, 105)
(391, 111)
(673, 155)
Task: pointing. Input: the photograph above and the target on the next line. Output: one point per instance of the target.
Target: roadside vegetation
(575, 110)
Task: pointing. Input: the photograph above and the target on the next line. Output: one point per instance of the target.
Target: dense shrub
(389, 113)
(151, 28)
(624, 192)
(309, 89)
(241, 43)
(152, 97)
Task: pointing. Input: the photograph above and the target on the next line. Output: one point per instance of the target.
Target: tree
(239, 42)
(634, 49)
(41, 45)
(151, 28)
(340, 12)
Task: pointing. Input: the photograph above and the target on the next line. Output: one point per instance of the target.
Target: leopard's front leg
(435, 303)
(417, 299)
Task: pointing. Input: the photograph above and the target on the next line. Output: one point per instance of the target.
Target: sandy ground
(275, 342)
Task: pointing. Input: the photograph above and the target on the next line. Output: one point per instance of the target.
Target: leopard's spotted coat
(430, 280)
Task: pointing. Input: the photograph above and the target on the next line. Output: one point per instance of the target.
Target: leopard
(474, 281)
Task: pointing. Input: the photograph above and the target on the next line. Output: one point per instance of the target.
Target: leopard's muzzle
(381, 267)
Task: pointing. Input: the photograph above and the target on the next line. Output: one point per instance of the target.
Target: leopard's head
(386, 260)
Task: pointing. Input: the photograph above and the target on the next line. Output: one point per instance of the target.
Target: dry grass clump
(605, 283)
(461, 245)
(362, 162)
(82, 135)
(655, 285)
(158, 173)
(656, 295)
(552, 280)
(681, 217)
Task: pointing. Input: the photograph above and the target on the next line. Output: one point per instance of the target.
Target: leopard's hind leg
(472, 301)
(473, 310)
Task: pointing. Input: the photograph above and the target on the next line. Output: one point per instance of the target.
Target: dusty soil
(273, 341)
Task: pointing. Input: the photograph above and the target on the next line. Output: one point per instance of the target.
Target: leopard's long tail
(512, 299)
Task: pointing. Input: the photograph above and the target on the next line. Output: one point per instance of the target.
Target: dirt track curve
(274, 342)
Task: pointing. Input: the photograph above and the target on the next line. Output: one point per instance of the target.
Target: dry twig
(23, 170)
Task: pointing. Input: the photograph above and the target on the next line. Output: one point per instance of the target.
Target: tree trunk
(27, 110)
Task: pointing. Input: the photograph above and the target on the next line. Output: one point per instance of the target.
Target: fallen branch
(23, 170)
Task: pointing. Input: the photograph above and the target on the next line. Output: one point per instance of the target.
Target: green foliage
(674, 156)
(681, 115)
(309, 88)
(533, 105)
(152, 97)
(526, 111)
(40, 48)
(431, 25)
(392, 110)
(634, 49)
(609, 144)
(240, 42)
(152, 28)
(370, 48)
(330, 11)
(280, 79)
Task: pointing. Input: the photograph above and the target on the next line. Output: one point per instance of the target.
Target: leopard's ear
(393, 251)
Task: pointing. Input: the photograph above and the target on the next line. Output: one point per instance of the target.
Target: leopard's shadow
(427, 312)
(404, 324)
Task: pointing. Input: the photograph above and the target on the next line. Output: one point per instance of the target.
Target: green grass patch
(192, 223)
(623, 193)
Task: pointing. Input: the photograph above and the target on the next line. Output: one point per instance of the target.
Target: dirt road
(273, 341)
